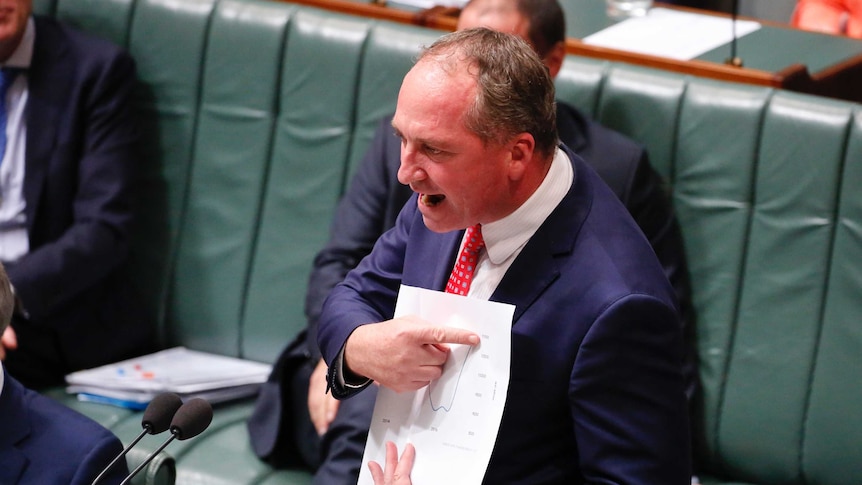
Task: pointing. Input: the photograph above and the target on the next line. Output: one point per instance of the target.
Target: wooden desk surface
(776, 55)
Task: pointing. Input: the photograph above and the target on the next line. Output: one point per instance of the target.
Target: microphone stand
(160, 409)
(121, 455)
(734, 60)
(149, 458)
(190, 420)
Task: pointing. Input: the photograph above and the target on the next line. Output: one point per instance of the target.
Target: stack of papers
(135, 382)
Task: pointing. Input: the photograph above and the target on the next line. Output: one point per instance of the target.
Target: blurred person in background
(67, 165)
(841, 17)
(44, 442)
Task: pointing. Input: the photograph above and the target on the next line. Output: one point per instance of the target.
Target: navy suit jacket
(44, 442)
(375, 197)
(596, 392)
(81, 163)
(370, 206)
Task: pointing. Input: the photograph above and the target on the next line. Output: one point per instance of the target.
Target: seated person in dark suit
(281, 428)
(44, 442)
(596, 391)
(66, 210)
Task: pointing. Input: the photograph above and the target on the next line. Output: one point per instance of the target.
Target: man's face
(13, 21)
(461, 181)
(499, 15)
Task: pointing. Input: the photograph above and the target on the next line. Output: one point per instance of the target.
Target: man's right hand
(322, 407)
(8, 341)
(403, 354)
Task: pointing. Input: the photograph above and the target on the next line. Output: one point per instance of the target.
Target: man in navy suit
(329, 435)
(44, 442)
(596, 393)
(66, 209)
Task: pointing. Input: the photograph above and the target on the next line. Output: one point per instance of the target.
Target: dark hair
(547, 23)
(515, 93)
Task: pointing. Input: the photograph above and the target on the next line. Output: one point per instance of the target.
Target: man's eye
(432, 150)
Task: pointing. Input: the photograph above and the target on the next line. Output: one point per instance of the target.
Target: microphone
(157, 418)
(190, 420)
(734, 60)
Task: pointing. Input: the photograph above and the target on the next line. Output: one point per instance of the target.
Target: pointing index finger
(451, 335)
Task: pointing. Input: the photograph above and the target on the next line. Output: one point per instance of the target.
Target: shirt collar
(505, 236)
(2, 378)
(23, 54)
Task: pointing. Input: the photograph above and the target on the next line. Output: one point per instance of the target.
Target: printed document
(189, 373)
(453, 422)
(671, 33)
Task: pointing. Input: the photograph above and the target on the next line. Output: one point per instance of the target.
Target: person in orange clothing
(831, 16)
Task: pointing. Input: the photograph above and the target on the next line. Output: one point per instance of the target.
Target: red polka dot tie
(465, 266)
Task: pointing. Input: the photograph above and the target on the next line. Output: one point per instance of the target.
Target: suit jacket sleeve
(97, 459)
(627, 427)
(367, 294)
(625, 167)
(366, 211)
(79, 231)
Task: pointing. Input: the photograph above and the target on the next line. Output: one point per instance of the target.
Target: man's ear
(522, 153)
(554, 59)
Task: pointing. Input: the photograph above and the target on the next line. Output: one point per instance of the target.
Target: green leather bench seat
(254, 114)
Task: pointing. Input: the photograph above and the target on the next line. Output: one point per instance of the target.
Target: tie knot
(465, 265)
(474, 240)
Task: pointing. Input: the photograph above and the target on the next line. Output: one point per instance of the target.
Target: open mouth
(431, 200)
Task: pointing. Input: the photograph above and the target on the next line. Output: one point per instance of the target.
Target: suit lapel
(534, 270)
(429, 260)
(16, 428)
(538, 265)
(47, 80)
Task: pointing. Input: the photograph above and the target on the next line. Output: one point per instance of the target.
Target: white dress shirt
(505, 238)
(14, 242)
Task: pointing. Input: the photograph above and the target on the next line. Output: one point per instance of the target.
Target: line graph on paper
(442, 392)
(454, 409)
(454, 419)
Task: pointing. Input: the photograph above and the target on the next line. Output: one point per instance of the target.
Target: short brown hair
(515, 92)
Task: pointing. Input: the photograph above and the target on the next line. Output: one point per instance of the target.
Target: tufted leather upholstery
(254, 114)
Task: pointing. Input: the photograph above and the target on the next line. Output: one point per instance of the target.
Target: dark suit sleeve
(626, 397)
(74, 248)
(97, 459)
(366, 211)
(367, 295)
(650, 206)
(625, 167)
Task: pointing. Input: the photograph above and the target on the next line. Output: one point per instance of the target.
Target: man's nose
(409, 171)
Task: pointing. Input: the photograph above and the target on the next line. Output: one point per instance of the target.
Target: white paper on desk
(452, 422)
(425, 4)
(177, 369)
(671, 33)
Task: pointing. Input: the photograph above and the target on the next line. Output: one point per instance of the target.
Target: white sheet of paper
(671, 33)
(425, 4)
(453, 422)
